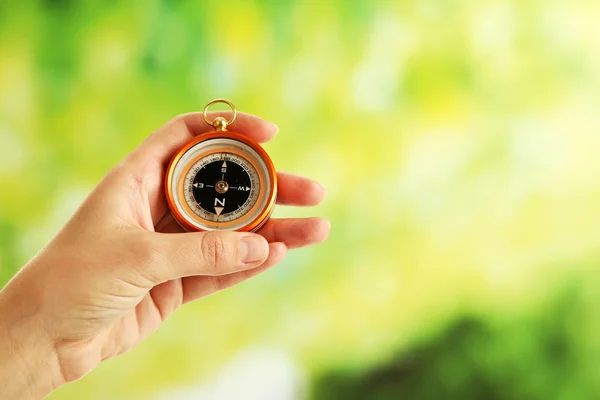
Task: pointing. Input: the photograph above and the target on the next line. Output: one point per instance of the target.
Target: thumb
(206, 253)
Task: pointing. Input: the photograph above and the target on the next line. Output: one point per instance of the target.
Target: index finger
(169, 138)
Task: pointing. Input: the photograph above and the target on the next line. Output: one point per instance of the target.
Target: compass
(221, 180)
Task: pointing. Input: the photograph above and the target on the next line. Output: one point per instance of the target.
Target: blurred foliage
(528, 356)
(457, 140)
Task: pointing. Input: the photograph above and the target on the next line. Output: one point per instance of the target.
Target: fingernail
(328, 224)
(275, 128)
(253, 249)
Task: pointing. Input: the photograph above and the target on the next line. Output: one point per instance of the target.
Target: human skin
(121, 265)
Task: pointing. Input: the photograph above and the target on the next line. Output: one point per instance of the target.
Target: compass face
(222, 187)
(221, 183)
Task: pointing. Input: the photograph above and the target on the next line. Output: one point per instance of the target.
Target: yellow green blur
(458, 142)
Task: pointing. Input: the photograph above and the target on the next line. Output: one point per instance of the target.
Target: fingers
(295, 190)
(196, 287)
(296, 232)
(169, 138)
(203, 253)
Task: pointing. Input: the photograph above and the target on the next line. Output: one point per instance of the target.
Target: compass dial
(221, 187)
(221, 183)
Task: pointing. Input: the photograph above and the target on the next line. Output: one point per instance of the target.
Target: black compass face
(222, 184)
(222, 187)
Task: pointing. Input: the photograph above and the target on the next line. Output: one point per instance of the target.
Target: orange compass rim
(265, 213)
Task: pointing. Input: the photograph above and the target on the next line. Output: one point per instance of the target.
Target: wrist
(28, 363)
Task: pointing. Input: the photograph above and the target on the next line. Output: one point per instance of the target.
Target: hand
(122, 265)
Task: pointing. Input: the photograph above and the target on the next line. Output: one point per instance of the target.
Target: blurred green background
(458, 141)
